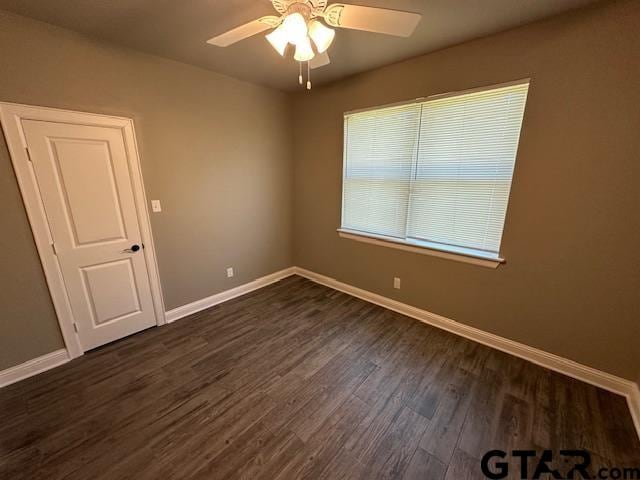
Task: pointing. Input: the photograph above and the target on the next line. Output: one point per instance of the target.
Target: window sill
(424, 248)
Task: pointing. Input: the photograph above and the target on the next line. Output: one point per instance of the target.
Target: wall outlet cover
(229, 272)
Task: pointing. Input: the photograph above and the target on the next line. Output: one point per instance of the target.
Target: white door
(85, 183)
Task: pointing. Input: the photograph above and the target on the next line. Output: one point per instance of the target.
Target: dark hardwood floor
(299, 381)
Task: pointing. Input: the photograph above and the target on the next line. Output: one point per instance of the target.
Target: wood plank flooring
(298, 381)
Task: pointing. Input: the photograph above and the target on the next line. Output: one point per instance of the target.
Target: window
(434, 173)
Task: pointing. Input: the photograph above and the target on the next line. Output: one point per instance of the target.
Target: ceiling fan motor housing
(308, 8)
(301, 8)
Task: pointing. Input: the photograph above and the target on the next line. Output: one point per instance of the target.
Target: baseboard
(33, 367)
(559, 364)
(198, 305)
(59, 357)
(634, 406)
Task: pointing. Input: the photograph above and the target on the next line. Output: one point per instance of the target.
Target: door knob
(134, 248)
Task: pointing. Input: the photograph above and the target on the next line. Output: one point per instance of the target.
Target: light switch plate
(155, 206)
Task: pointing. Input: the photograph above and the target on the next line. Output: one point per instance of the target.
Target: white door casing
(82, 186)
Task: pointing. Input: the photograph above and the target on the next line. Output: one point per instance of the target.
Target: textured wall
(216, 151)
(570, 285)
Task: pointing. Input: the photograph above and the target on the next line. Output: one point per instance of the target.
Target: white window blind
(381, 148)
(436, 172)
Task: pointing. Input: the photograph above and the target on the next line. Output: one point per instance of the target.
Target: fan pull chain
(308, 76)
(300, 80)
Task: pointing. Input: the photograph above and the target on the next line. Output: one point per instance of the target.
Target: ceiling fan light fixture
(295, 27)
(304, 52)
(306, 24)
(321, 35)
(279, 40)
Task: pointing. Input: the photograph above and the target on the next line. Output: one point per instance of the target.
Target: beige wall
(571, 285)
(216, 151)
(573, 274)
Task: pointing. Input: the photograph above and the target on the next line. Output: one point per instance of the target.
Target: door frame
(11, 117)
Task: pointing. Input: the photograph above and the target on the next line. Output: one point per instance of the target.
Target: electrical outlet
(396, 283)
(229, 272)
(155, 206)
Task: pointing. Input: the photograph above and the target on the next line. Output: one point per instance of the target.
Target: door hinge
(53, 247)
(26, 149)
(75, 327)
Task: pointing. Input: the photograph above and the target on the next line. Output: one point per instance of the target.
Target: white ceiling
(178, 29)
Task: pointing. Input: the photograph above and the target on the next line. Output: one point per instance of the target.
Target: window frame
(452, 252)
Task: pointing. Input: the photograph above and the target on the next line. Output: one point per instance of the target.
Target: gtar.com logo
(532, 464)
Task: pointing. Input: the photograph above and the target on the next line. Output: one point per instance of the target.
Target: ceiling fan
(299, 24)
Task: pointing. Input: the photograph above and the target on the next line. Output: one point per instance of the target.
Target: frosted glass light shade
(295, 27)
(321, 35)
(279, 40)
(304, 52)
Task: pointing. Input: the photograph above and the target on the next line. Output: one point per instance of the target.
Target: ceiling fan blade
(320, 60)
(245, 31)
(370, 19)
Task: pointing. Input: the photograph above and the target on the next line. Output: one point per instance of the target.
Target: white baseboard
(59, 357)
(33, 367)
(634, 405)
(559, 364)
(198, 305)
